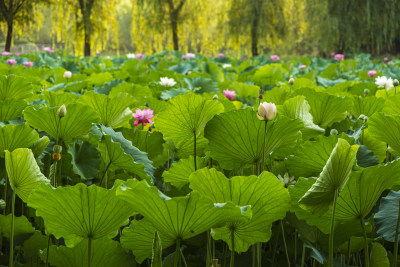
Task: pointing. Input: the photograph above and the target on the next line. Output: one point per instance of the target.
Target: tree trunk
(254, 37)
(174, 25)
(9, 35)
(87, 43)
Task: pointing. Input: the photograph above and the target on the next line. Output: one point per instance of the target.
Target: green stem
(396, 240)
(348, 253)
(232, 263)
(47, 251)
(265, 134)
(194, 152)
(147, 134)
(177, 259)
(303, 255)
(59, 163)
(89, 251)
(330, 263)
(5, 195)
(183, 258)
(259, 254)
(254, 255)
(11, 263)
(105, 173)
(365, 242)
(55, 174)
(295, 247)
(208, 259)
(284, 243)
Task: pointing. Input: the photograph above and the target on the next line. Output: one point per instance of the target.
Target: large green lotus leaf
(367, 106)
(11, 109)
(39, 146)
(12, 86)
(150, 142)
(392, 105)
(122, 154)
(333, 177)
(277, 95)
(23, 172)
(85, 159)
(179, 217)
(34, 244)
(298, 108)
(379, 256)
(385, 128)
(56, 99)
(79, 212)
(202, 85)
(114, 112)
(16, 136)
(105, 252)
(387, 216)
(178, 174)
(267, 196)
(310, 158)
(138, 237)
(378, 147)
(268, 75)
(23, 229)
(185, 116)
(185, 148)
(77, 122)
(236, 137)
(364, 189)
(326, 109)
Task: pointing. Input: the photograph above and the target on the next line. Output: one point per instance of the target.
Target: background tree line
(236, 27)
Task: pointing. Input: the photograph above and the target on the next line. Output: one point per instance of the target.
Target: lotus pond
(170, 160)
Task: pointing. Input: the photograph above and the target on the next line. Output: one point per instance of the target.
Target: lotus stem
(5, 195)
(295, 247)
(232, 263)
(348, 253)
(208, 259)
(330, 262)
(263, 154)
(48, 251)
(194, 152)
(183, 258)
(11, 262)
(365, 241)
(396, 239)
(89, 251)
(177, 260)
(303, 255)
(259, 254)
(284, 243)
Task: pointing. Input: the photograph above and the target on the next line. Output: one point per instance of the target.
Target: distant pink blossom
(46, 48)
(11, 62)
(221, 55)
(244, 58)
(302, 67)
(339, 57)
(372, 73)
(139, 56)
(274, 58)
(333, 54)
(390, 63)
(6, 54)
(230, 94)
(190, 55)
(184, 57)
(189, 72)
(98, 53)
(28, 64)
(385, 59)
(17, 54)
(143, 116)
(51, 51)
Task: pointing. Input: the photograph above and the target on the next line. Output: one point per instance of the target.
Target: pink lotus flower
(51, 51)
(184, 57)
(274, 57)
(6, 54)
(221, 55)
(17, 54)
(98, 53)
(230, 94)
(333, 54)
(385, 59)
(190, 55)
(339, 57)
(143, 116)
(28, 64)
(390, 63)
(11, 62)
(244, 58)
(189, 72)
(139, 56)
(46, 48)
(302, 67)
(266, 111)
(372, 73)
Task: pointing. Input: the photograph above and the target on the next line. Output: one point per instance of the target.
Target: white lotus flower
(384, 82)
(190, 55)
(226, 66)
(167, 82)
(67, 75)
(130, 55)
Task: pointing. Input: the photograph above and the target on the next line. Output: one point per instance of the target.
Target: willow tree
(259, 18)
(161, 12)
(20, 11)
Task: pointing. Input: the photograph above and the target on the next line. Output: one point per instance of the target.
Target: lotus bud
(57, 152)
(67, 75)
(62, 111)
(215, 97)
(366, 92)
(260, 96)
(2, 204)
(266, 111)
(334, 132)
(291, 81)
(363, 117)
(395, 82)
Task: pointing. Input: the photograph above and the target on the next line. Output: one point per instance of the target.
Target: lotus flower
(372, 73)
(28, 64)
(224, 66)
(230, 94)
(11, 62)
(17, 54)
(130, 55)
(221, 55)
(98, 53)
(62, 111)
(167, 82)
(266, 111)
(51, 51)
(190, 55)
(339, 57)
(384, 82)
(6, 54)
(67, 75)
(389, 63)
(244, 58)
(302, 67)
(274, 58)
(143, 116)
(333, 54)
(385, 59)
(139, 56)
(184, 57)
